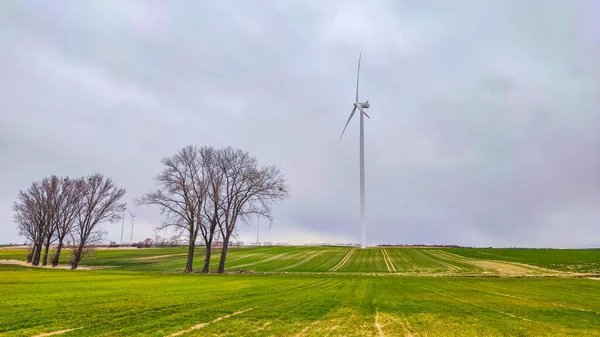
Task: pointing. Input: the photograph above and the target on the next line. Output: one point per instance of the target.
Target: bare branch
(100, 203)
(249, 191)
(181, 195)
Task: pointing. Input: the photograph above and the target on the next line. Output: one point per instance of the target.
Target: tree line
(203, 193)
(55, 209)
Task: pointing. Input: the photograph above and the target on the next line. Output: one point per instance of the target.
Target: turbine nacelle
(361, 107)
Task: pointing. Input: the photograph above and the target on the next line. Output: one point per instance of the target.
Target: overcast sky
(484, 129)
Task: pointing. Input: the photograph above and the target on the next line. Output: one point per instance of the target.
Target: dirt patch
(432, 256)
(339, 322)
(202, 325)
(260, 328)
(306, 328)
(404, 325)
(377, 325)
(510, 268)
(595, 278)
(497, 266)
(60, 266)
(59, 332)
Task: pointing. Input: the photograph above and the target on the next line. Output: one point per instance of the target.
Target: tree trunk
(57, 253)
(223, 255)
(206, 267)
(75, 263)
(77, 257)
(31, 253)
(45, 259)
(38, 253)
(208, 244)
(190, 257)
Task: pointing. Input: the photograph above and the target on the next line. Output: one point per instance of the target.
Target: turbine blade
(358, 75)
(349, 118)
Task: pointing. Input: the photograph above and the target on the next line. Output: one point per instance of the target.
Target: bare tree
(31, 212)
(100, 204)
(23, 216)
(45, 213)
(248, 190)
(180, 195)
(50, 188)
(204, 189)
(147, 242)
(68, 207)
(36, 205)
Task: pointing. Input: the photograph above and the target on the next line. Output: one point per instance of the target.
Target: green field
(576, 260)
(402, 261)
(307, 291)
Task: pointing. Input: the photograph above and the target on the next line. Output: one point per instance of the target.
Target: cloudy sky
(484, 129)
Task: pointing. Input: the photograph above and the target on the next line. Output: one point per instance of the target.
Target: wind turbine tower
(122, 227)
(360, 106)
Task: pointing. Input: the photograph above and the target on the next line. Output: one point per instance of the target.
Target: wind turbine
(132, 220)
(360, 106)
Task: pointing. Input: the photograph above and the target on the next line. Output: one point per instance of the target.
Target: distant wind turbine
(132, 220)
(360, 106)
(122, 227)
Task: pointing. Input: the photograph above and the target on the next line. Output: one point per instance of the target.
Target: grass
(418, 261)
(119, 303)
(333, 291)
(575, 260)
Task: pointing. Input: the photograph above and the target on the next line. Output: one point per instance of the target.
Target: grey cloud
(484, 116)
